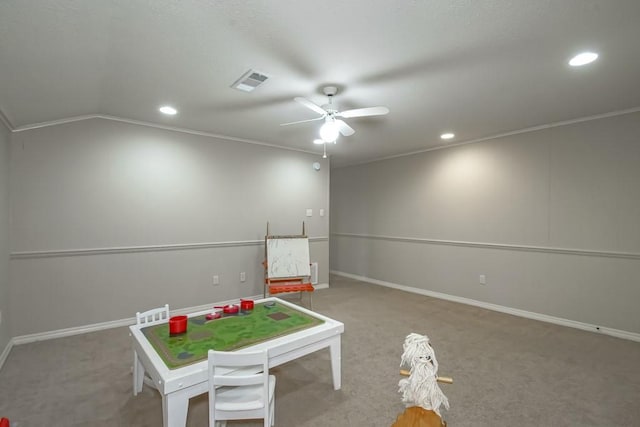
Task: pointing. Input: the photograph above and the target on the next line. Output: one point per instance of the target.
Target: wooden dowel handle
(444, 380)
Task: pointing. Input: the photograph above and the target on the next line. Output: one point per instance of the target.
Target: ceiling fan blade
(301, 121)
(362, 112)
(344, 128)
(310, 105)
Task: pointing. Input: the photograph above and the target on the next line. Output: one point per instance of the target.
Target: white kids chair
(147, 318)
(240, 387)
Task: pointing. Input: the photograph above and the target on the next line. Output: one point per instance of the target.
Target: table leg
(174, 409)
(138, 374)
(336, 362)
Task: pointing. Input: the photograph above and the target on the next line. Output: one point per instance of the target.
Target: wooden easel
(286, 264)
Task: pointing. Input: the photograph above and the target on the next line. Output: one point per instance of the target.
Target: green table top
(226, 334)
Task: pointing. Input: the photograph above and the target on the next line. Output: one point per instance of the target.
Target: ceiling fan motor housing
(330, 90)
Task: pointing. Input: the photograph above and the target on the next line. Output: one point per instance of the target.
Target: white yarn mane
(421, 388)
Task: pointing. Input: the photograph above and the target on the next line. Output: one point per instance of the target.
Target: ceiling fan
(332, 124)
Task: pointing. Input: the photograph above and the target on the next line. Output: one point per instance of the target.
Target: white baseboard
(24, 339)
(60, 333)
(5, 352)
(67, 332)
(632, 336)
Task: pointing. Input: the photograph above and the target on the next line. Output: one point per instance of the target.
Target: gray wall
(118, 195)
(5, 331)
(550, 217)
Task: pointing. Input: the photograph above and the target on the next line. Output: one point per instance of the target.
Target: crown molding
(7, 123)
(155, 126)
(501, 135)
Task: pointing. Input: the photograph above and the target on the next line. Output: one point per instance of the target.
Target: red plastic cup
(177, 325)
(246, 304)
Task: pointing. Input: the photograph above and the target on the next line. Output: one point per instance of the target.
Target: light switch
(321, 212)
(309, 212)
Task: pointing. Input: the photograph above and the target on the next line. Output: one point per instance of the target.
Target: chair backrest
(153, 316)
(239, 370)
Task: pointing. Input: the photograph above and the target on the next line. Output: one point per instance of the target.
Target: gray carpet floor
(507, 371)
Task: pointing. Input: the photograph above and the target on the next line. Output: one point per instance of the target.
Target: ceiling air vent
(249, 81)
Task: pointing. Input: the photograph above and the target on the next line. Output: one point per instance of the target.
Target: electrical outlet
(483, 279)
(243, 276)
(216, 280)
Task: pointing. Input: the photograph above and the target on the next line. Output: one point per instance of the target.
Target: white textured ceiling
(478, 68)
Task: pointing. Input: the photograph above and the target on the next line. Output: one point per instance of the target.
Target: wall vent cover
(249, 81)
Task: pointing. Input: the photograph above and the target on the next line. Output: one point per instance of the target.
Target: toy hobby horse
(420, 392)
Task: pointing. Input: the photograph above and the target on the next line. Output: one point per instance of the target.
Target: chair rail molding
(145, 248)
(502, 246)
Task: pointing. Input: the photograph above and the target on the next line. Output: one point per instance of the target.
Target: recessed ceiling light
(447, 135)
(166, 109)
(583, 58)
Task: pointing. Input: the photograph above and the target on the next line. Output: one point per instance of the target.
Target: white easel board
(287, 257)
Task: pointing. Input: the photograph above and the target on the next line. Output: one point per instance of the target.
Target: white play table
(178, 385)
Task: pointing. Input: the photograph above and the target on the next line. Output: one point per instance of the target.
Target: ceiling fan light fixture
(333, 126)
(329, 131)
(318, 141)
